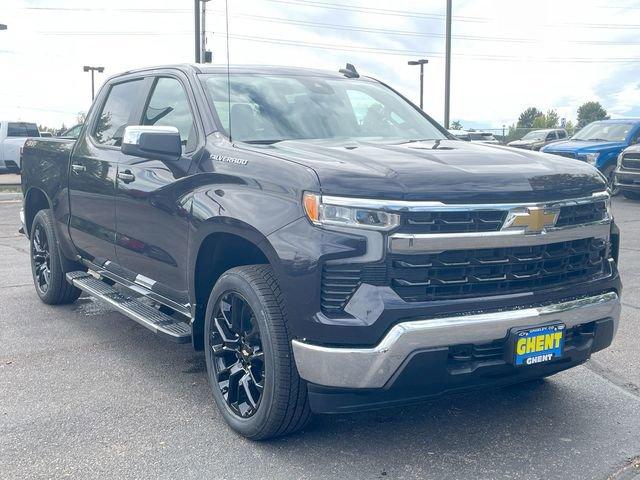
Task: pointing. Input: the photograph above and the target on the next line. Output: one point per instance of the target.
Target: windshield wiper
(598, 140)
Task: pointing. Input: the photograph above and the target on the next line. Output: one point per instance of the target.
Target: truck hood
(445, 170)
(580, 147)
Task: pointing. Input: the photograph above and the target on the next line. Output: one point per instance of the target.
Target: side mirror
(155, 142)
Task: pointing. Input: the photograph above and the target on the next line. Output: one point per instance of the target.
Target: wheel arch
(35, 200)
(218, 245)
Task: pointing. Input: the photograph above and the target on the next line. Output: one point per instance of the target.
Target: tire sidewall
(252, 426)
(43, 218)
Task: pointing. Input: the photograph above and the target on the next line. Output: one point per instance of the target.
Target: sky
(506, 55)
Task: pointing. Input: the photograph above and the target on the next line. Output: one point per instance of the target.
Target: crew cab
(328, 245)
(599, 144)
(12, 138)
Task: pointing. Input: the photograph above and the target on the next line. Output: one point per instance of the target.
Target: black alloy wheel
(236, 354)
(41, 257)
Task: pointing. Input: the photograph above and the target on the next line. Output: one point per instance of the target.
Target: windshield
(534, 136)
(604, 131)
(270, 108)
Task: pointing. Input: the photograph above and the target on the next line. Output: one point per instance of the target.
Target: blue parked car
(599, 144)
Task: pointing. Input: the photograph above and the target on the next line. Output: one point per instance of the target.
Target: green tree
(539, 122)
(527, 117)
(569, 127)
(590, 112)
(551, 119)
(456, 125)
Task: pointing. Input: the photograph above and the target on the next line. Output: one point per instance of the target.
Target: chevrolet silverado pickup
(328, 245)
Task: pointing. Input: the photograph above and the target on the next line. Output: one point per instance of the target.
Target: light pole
(87, 68)
(420, 62)
(447, 66)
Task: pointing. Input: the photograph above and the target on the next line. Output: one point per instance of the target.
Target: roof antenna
(349, 71)
(226, 11)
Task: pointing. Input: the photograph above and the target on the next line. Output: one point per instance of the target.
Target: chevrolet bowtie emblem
(531, 219)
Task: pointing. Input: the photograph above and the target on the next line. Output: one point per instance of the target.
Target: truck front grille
(485, 272)
(468, 221)
(458, 274)
(453, 221)
(631, 161)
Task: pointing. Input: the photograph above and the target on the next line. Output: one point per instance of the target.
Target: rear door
(151, 211)
(92, 175)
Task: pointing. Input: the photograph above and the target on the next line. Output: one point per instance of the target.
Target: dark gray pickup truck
(328, 245)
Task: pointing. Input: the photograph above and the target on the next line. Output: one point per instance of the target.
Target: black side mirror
(155, 142)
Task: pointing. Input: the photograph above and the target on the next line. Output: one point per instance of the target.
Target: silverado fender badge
(221, 158)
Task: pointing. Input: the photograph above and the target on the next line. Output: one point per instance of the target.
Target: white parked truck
(12, 138)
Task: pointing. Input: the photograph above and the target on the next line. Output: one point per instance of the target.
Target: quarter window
(169, 106)
(116, 112)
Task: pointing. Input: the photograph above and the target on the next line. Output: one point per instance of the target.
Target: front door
(151, 210)
(92, 174)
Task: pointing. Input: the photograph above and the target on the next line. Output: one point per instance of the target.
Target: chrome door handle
(126, 176)
(78, 167)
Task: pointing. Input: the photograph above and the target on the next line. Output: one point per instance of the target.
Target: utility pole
(87, 68)
(447, 68)
(420, 62)
(196, 11)
(203, 34)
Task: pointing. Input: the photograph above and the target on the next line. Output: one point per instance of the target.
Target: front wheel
(48, 274)
(250, 364)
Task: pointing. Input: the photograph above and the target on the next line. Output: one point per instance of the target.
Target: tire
(48, 274)
(631, 195)
(282, 405)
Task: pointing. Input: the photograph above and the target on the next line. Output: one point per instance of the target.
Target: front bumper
(628, 180)
(376, 367)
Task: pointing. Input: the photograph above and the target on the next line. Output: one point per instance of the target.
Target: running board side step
(147, 316)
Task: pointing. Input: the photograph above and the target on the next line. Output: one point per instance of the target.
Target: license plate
(538, 345)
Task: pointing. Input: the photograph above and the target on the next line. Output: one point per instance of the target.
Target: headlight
(334, 211)
(592, 158)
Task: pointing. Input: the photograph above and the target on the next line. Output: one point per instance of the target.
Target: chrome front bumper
(373, 367)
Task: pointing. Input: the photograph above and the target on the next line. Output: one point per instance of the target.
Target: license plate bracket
(536, 345)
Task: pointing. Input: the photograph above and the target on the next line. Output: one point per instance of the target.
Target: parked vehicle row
(599, 144)
(328, 245)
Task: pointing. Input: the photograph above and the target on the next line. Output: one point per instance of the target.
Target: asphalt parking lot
(87, 393)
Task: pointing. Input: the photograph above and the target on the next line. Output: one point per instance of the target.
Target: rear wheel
(46, 268)
(631, 195)
(250, 364)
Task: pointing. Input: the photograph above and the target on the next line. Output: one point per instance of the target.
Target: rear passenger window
(116, 111)
(169, 106)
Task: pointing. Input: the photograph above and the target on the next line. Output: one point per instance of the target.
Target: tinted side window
(169, 106)
(116, 111)
(562, 134)
(551, 136)
(21, 129)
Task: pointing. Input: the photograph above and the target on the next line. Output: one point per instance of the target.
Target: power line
(389, 51)
(378, 11)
